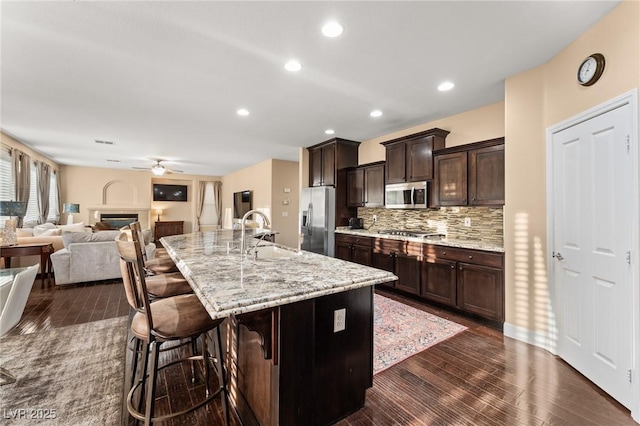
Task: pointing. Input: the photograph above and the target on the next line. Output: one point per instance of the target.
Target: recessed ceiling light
(293, 66)
(332, 29)
(243, 112)
(376, 113)
(447, 85)
(329, 131)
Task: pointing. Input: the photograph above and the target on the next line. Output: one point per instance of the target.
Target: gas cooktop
(411, 233)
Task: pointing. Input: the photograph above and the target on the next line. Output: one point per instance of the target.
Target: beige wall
(35, 156)
(534, 101)
(285, 205)
(267, 180)
(127, 188)
(467, 127)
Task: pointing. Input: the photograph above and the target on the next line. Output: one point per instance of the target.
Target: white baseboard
(529, 336)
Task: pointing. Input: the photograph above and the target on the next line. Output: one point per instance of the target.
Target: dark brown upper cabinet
(365, 185)
(469, 175)
(326, 158)
(410, 158)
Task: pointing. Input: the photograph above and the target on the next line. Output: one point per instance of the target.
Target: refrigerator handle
(310, 219)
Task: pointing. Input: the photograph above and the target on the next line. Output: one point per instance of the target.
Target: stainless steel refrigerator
(318, 219)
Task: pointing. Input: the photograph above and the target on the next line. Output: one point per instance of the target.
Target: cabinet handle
(464, 200)
(453, 267)
(444, 253)
(470, 257)
(473, 199)
(461, 268)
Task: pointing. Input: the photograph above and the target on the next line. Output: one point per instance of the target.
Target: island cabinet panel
(326, 158)
(295, 382)
(410, 158)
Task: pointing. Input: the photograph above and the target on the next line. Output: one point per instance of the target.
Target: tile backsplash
(486, 222)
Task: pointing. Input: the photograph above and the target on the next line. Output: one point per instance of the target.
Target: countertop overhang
(467, 244)
(230, 284)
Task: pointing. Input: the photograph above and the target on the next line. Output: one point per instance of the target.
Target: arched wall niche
(119, 192)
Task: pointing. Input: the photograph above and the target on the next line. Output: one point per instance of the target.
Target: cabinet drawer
(354, 239)
(386, 246)
(494, 260)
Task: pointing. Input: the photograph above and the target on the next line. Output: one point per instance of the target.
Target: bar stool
(160, 285)
(166, 320)
(161, 265)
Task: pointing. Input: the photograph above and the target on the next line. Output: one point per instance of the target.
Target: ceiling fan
(158, 169)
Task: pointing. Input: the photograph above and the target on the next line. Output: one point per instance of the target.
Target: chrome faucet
(243, 225)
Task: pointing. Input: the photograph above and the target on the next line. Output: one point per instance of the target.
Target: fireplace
(118, 220)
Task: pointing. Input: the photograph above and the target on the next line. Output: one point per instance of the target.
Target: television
(241, 203)
(163, 192)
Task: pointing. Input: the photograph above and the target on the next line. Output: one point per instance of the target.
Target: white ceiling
(164, 79)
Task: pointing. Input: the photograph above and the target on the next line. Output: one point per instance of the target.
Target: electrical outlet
(467, 221)
(339, 319)
(375, 218)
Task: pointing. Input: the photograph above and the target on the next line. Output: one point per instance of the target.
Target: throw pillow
(44, 227)
(76, 227)
(50, 233)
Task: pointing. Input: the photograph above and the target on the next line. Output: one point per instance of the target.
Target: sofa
(90, 257)
(45, 233)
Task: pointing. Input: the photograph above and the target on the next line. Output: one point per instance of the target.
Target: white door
(592, 239)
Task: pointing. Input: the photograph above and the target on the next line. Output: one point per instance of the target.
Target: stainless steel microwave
(411, 195)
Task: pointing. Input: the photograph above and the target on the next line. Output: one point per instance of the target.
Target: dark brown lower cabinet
(403, 259)
(439, 281)
(480, 291)
(469, 280)
(354, 248)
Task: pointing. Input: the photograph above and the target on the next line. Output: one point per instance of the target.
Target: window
(6, 178)
(54, 213)
(31, 217)
(209, 216)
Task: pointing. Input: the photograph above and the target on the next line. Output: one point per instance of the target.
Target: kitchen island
(300, 325)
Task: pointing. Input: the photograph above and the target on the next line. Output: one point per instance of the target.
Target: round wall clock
(591, 69)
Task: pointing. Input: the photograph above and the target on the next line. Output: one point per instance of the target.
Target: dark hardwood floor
(478, 377)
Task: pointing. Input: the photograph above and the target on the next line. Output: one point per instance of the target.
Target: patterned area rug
(68, 376)
(400, 331)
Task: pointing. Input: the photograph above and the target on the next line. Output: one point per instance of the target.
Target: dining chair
(155, 323)
(13, 308)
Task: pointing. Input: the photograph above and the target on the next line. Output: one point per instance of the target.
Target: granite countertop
(468, 244)
(227, 283)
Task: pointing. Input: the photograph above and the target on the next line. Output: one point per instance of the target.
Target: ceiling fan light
(158, 169)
